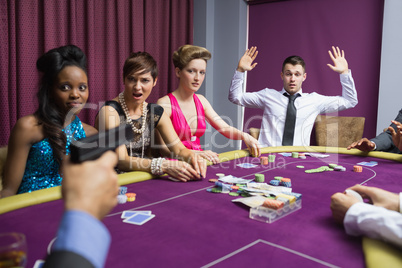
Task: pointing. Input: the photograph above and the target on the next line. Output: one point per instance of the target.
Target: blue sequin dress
(42, 169)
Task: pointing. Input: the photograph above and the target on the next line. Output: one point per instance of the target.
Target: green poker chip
(259, 177)
(300, 166)
(216, 190)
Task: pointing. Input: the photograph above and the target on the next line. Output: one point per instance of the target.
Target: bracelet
(156, 166)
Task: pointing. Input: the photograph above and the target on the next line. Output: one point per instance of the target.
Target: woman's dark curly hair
(48, 114)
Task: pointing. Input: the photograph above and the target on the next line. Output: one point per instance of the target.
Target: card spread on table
(246, 165)
(232, 179)
(128, 213)
(139, 219)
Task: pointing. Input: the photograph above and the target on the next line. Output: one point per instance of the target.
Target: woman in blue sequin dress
(39, 141)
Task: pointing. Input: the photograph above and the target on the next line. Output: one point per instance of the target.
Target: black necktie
(290, 122)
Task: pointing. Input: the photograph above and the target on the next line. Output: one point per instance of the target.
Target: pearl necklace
(130, 121)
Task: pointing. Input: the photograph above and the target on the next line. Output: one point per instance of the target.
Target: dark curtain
(107, 31)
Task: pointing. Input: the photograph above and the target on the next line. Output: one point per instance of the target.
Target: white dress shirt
(308, 106)
(374, 222)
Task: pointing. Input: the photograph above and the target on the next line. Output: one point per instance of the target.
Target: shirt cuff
(238, 75)
(375, 146)
(81, 233)
(348, 74)
(400, 202)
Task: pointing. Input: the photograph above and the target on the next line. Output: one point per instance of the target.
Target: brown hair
(140, 62)
(294, 60)
(187, 53)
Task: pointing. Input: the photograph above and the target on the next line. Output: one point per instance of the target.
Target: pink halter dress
(181, 126)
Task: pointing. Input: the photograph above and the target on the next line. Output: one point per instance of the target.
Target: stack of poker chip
(337, 167)
(340, 168)
(271, 158)
(130, 197)
(302, 156)
(357, 168)
(295, 154)
(273, 204)
(264, 160)
(297, 195)
(290, 198)
(274, 182)
(320, 169)
(225, 188)
(121, 197)
(122, 190)
(259, 177)
(286, 182)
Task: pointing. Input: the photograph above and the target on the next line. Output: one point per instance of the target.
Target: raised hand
(246, 61)
(338, 58)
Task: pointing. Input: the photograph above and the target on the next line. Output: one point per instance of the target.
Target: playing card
(246, 165)
(139, 219)
(128, 213)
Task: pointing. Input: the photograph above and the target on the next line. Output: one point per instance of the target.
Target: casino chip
(357, 168)
(130, 197)
(259, 178)
(121, 199)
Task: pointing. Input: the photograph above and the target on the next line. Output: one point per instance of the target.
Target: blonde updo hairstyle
(187, 53)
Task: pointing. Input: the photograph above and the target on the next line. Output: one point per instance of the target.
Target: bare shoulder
(204, 101)
(164, 100)
(165, 103)
(28, 129)
(89, 130)
(107, 118)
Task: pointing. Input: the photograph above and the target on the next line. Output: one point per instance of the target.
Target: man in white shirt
(307, 105)
(382, 219)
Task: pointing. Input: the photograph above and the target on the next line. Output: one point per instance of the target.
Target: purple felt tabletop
(196, 228)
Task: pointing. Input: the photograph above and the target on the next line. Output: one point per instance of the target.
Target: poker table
(196, 228)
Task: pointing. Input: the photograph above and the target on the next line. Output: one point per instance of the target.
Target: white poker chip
(355, 194)
(220, 175)
(121, 198)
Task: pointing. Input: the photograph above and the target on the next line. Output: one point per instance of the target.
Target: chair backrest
(254, 132)
(338, 131)
(3, 157)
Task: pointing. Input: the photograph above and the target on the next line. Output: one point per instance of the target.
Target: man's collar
(300, 92)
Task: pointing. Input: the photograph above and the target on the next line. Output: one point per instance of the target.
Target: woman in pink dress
(188, 111)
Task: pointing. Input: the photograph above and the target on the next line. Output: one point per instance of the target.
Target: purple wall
(309, 28)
